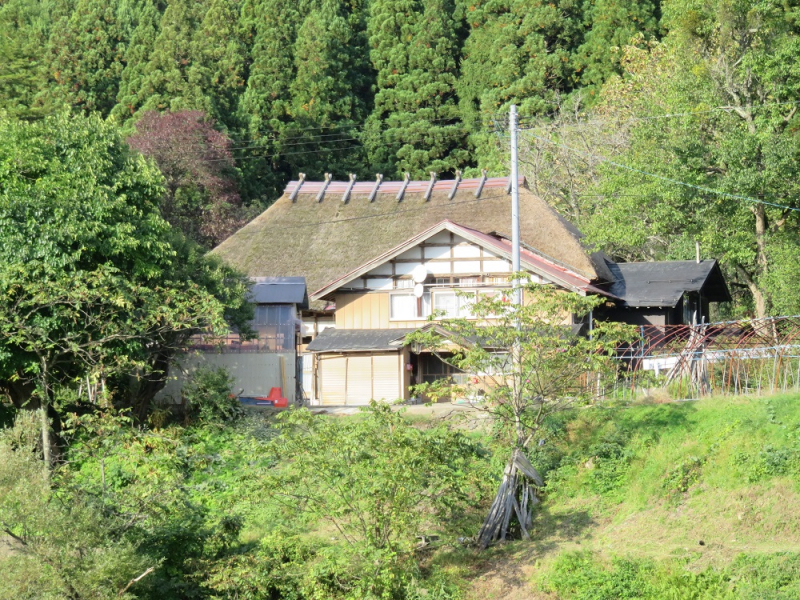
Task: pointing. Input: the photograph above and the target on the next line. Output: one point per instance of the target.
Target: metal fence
(729, 357)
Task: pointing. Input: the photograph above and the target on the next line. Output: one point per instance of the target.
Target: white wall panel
(467, 251)
(467, 266)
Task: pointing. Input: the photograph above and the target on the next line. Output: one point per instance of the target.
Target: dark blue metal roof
(279, 290)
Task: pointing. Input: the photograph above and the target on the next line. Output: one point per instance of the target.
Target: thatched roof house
(322, 230)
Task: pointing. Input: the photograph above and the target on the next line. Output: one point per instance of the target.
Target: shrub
(209, 398)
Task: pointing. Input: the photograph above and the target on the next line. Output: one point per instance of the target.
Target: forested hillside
(317, 85)
(650, 124)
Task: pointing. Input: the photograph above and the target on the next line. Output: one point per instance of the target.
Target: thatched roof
(321, 232)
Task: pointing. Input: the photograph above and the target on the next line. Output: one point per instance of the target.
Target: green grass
(677, 500)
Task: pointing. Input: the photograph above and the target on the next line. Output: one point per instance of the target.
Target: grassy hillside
(680, 500)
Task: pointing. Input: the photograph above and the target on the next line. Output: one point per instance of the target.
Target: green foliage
(208, 395)
(95, 283)
(581, 576)
(218, 59)
(718, 55)
(132, 93)
(59, 549)
(528, 363)
(415, 124)
(85, 61)
(380, 483)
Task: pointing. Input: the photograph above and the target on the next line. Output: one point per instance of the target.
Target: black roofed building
(677, 292)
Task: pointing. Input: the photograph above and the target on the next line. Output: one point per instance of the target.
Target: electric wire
(667, 179)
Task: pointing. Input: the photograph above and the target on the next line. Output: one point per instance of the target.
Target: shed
(665, 292)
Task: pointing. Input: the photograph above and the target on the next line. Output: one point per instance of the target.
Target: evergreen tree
(19, 79)
(328, 94)
(216, 72)
(85, 57)
(132, 93)
(415, 123)
(517, 52)
(610, 26)
(265, 106)
(165, 83)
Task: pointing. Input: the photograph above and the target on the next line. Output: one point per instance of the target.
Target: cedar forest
(700, 95)
(136, 135)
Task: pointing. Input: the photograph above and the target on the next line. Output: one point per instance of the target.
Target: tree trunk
(143, 388)
(44, 406)
(759, 298)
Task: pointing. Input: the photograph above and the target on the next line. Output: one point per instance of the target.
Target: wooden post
(325, 185)
(283, 376)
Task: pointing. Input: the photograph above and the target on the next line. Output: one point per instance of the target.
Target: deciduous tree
(201, 199)
(522, 364)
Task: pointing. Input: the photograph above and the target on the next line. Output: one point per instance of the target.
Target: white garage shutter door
(386, 377)
(359, 380)
(333, 375)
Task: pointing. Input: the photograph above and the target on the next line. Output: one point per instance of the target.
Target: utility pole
(515, 259)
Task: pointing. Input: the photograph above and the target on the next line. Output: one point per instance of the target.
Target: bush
(582, 576)
(209, 398)
(65, 544)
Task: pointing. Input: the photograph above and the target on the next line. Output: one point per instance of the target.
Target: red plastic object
(277, 399)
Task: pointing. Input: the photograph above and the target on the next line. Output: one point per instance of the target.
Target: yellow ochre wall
(370, 310)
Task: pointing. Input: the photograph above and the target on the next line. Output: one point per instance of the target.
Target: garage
(356, 366)
(355, 379)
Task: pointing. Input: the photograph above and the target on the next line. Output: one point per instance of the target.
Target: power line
(668, 179)
(728, 109)
(282, 134)
(260, 156)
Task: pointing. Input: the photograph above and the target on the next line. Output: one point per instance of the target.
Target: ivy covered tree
(415, 124)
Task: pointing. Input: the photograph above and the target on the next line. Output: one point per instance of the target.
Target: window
(275, 324)
(446, 302)
(403, 306)
(469, 281)
(408, 307)
(498, 280)
(400, 284)
(454, 304)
